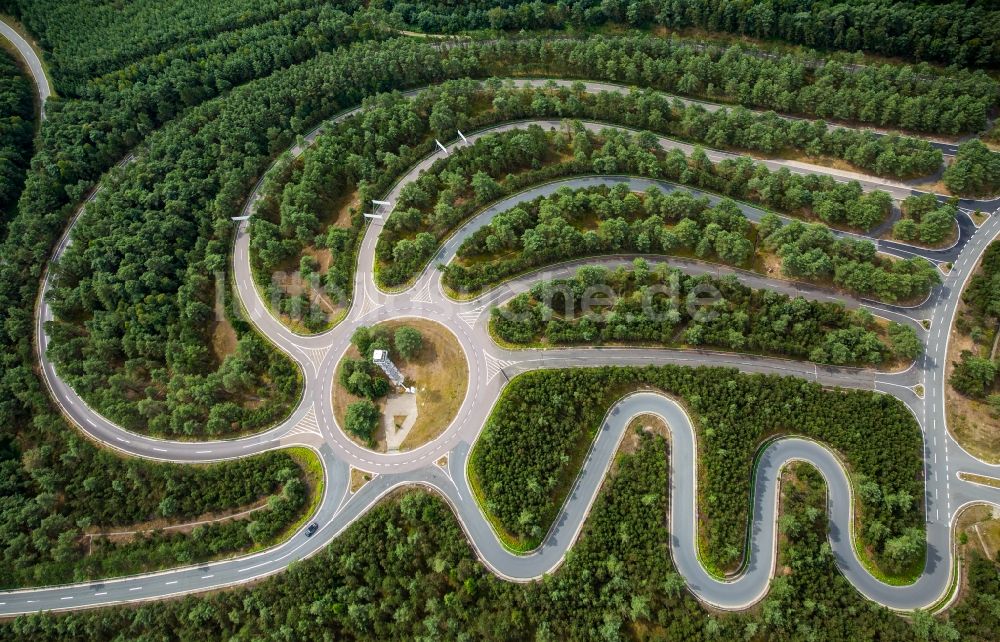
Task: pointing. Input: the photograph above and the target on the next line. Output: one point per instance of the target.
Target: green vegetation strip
(530, 451)
(660, 306)
(406, 570)
(602, 220)
(174, 494)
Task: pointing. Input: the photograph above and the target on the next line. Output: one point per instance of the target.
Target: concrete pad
(398, 405)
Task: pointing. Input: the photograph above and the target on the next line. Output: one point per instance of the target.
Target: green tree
(362, 340)
(408, 342)
(362, 419)
(905, 342)
(973, 376)
(975, 170)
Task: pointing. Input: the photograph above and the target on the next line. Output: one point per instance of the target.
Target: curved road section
(312, 424)
(32, 61)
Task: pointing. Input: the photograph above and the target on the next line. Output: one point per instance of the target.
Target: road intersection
(313, 424)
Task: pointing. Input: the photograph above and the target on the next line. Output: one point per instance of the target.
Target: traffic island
(400, 384)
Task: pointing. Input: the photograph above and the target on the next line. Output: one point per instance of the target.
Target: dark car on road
(312, 529)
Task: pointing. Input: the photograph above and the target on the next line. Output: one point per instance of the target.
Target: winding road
(313, 425)
(31, 61)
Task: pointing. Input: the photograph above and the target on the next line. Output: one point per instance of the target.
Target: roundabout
(467, 372)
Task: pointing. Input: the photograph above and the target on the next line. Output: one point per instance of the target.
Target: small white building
(382, 360)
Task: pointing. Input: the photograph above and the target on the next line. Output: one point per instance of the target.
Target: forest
(17, 128)
(813, 252)
(354, 161)
(584, 222)
(148, 320)
(737, 128)
(45, 461)
(207, 95)
(963, 33)
(438, 200)
(975, 171)
(303, 206)
(405, 571)
(882, 95)
(599, 220)
(661, 305)
(110, 495)
(166, 363)
(532, 447)
(925, 220)
(102, 43)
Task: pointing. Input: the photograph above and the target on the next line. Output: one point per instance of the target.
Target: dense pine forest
(405, 571)
(662, 306)
(733, 414)
(199, 99)
(949, 32)
(572, 224)
(17, 128)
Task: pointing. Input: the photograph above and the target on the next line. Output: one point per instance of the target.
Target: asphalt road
(33, 63)
(313, 425)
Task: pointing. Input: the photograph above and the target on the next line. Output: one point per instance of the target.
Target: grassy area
(315, 479)
(440, 373)
(359, 478)
(973, 426)
(978, 530)
(992, 137)
(980, 479)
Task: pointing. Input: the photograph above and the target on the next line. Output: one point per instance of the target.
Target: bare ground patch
(224, 337)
